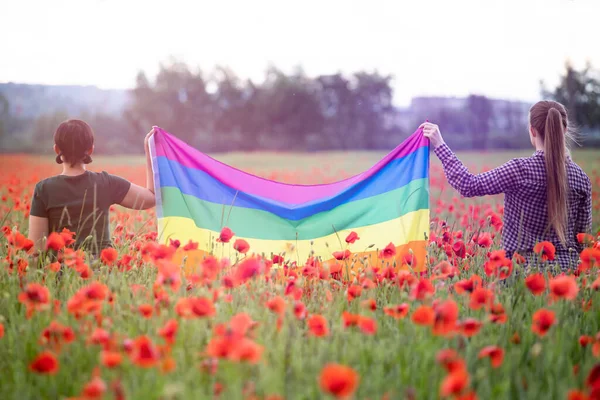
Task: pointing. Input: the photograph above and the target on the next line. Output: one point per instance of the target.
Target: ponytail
(556, 172)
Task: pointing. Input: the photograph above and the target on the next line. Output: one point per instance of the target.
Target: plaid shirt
(523, 181)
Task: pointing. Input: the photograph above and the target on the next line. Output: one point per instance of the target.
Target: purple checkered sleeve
(499, 180)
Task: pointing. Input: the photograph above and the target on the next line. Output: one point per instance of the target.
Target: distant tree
(338, 104)
(292, 109)
(480, 116)
(45, 126)
(110, 132)
(235, 116)
(373, 103)
(579, 91)
(4, 115)
(177, 101)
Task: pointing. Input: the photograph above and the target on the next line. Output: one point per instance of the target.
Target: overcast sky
(500, 48)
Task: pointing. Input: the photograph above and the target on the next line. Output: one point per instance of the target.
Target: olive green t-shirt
(81, 204)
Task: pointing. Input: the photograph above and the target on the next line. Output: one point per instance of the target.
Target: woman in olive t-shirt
(78, 199)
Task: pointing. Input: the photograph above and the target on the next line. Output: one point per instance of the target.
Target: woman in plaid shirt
(547, 196)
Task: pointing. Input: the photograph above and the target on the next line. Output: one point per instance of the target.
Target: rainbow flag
(389, 203)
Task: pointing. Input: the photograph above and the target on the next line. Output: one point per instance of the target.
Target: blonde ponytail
(556, 172)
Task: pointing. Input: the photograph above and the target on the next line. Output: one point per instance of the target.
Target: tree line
(218, 111)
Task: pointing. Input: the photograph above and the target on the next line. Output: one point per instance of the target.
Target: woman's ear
(532, 131)
(91, 151)
(56, 149)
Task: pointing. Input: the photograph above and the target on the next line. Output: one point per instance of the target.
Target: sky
(499, 48)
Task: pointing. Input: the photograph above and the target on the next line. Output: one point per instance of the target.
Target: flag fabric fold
(387, 204)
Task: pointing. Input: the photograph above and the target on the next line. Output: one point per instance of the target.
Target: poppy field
(132, 324)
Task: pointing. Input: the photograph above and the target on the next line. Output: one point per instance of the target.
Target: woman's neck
(78, 169)
(539, 145)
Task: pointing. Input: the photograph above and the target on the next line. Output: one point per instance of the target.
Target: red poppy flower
(422, 289)
(146, 310)
(445, 316)
(95, 388)
(370, 304)
(342, 255)
(564, 287)
(57, 334)
(201, 306)
(108, 256)
(468, 285)
(55, 242)
(398, 311)
(389, 251)
(459, 249)
(424, 315)
(577, 395)
(484, 240)
(481, 297)
(455, 382)
(110, 359)
(241, 245)
(169, 274)
(45, 363)
(226, 235)
(338, 380)
(352, 237)
(190, 246)
(590, 257)
(36, 297)
(470, 327)
(409, 258)
(585, 238)
(497, 314)
(54, 267)
(536, 283)
(299, 310)
(350, 319)
(143, 353)
(584, 340)
(317, 326)
(277, 305)
(519, 259)
(542, 321)
(246, 350)
(1, 330)
(354, 291)
(169, 331)
(367, 325)
(593, 379)
(450, 359)
(240, 324)
(546, 250)
(67, 236)
(495, 353)
(99, 336)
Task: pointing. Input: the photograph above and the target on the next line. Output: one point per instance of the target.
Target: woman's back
(80, 204)
(526, 219)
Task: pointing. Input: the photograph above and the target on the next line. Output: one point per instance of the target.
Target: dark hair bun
(74, 138)
(59, 159)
